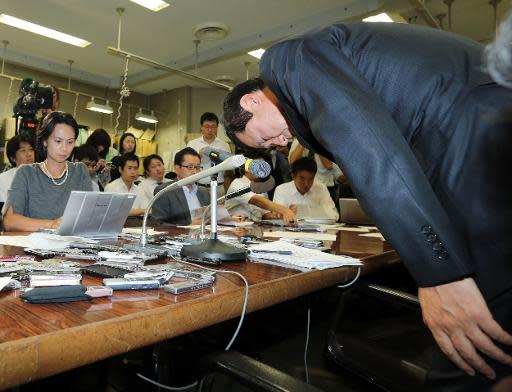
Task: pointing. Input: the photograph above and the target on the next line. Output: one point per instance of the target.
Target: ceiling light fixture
(44, 31)
(257, 53)
(149, 118)
(153, 5)
(98, 107)
(379, 18)
(224, 79)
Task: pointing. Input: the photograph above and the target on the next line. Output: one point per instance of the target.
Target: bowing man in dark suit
(177, 207)
(423, 135)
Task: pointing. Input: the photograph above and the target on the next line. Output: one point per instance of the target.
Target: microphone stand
(212, 250)
(230, 164)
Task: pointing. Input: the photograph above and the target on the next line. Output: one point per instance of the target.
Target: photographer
(100, 141)
(39, 192)
(55, 103)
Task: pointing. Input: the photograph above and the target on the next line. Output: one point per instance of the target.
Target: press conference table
(37, 341)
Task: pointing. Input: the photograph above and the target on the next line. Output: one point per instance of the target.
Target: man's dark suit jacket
(421, 132)
(172, 207)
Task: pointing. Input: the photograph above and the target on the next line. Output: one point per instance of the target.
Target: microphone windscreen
(258, 168)
(216, 155)
(263, 186)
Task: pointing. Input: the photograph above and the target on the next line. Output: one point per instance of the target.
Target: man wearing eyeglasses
(182, 206)
(209, 138)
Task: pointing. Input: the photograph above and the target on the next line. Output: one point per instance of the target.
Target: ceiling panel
(166, 36)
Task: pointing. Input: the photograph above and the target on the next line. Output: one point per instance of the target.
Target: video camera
(32, 98)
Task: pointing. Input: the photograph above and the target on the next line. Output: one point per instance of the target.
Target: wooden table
(37, 341)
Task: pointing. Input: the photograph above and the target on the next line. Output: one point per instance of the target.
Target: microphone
(255, 186)
(230, 163)
(257, 167)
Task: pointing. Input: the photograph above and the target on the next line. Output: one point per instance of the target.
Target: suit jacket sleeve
(331, 101)
(171, 208)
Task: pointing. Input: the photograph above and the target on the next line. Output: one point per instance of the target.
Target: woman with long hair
(39, 192)
(127, 145)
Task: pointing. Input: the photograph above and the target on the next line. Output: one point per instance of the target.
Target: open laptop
(313, 214)
(96, 215)
(351, 212)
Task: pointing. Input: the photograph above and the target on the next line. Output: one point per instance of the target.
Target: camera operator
(33, 98)
(55, 103)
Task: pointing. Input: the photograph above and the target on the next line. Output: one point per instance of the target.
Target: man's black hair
(86, 151)
(306, 164)
(180, 155)
(209, 116)
(125, 158)
(235, 117)
(14, 144)
(147, 161)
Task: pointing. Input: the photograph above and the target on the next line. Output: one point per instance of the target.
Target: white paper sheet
(42, 241)
(4, 281)
(300, 256)
(374, 235)
(356, 229)
(138, 231)
(301, 235)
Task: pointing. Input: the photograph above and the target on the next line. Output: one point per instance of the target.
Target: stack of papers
(299, 256)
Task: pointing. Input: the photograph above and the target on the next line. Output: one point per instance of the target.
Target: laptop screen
(95, 214)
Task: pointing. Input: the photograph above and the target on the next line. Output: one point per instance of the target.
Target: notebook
(96, 215)
(351, 212)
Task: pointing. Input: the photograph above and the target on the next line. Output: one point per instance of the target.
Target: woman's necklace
(45, 170)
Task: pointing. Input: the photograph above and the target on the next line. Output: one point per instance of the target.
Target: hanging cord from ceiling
(5, 43)
(124, 92)
(70, 62)
(449, 5)
(247, 65)
(422, 8)
(75, 108)
(7, 99)
(494, 5)
(196, 43)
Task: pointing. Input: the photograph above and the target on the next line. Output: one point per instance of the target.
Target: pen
(277, 252)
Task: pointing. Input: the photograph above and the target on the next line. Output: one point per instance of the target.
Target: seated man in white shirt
(128, 168)
(253, 206)
(19, 151)
(304, 190)
(182, 206)
(154, 171)
(327, 173)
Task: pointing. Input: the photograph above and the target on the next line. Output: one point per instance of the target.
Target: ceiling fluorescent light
(44, 31)
(153, 5)
(257, 53)
(149, 118)
(379, 18)
(98, 107)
